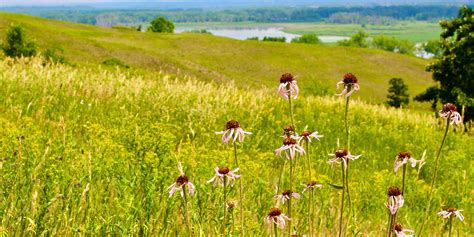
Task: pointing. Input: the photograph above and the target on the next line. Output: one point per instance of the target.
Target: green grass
(91, 151)
(415, 31)
(248, 63)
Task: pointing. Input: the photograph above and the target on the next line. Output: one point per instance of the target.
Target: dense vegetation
(90, 151)
(359, 15)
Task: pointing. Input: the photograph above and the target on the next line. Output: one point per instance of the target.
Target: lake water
(245, 33)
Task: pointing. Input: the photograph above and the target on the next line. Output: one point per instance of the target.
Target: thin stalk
(225, 207)
(426, 216)
(241, 213)
(311, 190)
(309, 159)
(291, 108)
(348, 139)
(346, 123)
(186, 209)
(389, 223)
(289, 200)
(450, 225)
(275, 229)
(342, 199)
(310, 214)
(403, 178)
(281, 176)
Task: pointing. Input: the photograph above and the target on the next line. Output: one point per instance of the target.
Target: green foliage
(201, 31)
(393, 44)
(433, 47)
(113, 62)
(16, 43)
(161, 25)
(98, 148)
(274, 39)
(253, 38)
(357, 40)
(54, 55)
(454, 69)
(397, 93)
(307, 39)
(430, 95)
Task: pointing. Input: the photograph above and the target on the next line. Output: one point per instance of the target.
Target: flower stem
(185, 199)
(225, 207)
(426, 216)
(281, 176)
(310, 214)
(311, 190)
(275, 229)
(403, 178)
(289, 200)
(291, 109)
(389, 228)
(309, 159)
(342, 199)
(450, 225)
(346, 123)
(241, 213)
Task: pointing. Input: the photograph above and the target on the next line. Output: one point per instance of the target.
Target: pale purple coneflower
(395, 200)
(181, 183)
(400, 232)
(450, 211)
(233, 131)
(450, 111)
(286, 195)
(342, 155)
(289, 131)
(224, 172)
(311, 185)
(231, 204)
(350, 85)
(288, 86)
(307, 135)
(276, 217)
(402, 158)
(290, 147)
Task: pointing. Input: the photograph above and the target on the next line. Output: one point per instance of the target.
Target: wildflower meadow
(108, 151)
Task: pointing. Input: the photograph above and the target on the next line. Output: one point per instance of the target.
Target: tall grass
(92, 151)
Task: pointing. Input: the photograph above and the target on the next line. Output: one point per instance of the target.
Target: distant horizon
(215, 4)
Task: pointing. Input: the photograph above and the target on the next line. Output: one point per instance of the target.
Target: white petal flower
(395, 200)
(307, 135)
(286, 195)
(233, 132)
(182, 183)
(311, 185)
(400, 232)
(288, 86)
(342, 155)
(224, 172)
(275, 216)
(350, 85)
(290, 147)
(450, 111)
(450, 211)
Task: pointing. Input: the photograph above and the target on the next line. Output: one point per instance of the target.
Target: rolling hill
(210, 58)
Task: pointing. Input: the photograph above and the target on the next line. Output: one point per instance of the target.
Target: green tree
(17, 45)
(433, 47)
(162, 25)
(397, 93)
(393, 44)
(307, 39)
(357, 40)
(454, 69)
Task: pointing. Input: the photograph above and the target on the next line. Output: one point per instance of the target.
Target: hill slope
(212, 58)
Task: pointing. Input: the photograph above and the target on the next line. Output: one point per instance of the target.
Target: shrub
(113, 62)
(52, 55)
(161, 25)
(393, 44)
(307, 39)
(17, 45)
(398, 93)
(274, 39)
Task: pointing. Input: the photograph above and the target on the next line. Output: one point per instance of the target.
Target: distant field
(415, 31)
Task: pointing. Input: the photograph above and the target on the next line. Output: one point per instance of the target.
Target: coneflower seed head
(305, 133)
(394, 191)
(404, 154)
(448, 107)
(183, 179)
(398, 227)
(311, 183)
(288, 130)
(232, 124)
(289, 141)
(223, 170)
(349, 78)
(286, 192)
(341, 153)
(451, 209)
(287, 77)
(274, 212)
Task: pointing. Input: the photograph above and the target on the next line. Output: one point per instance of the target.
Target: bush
(274, 39)
(253, 38)
(52, 55)
(398, 93)
(161, 25)
(113, 62)
(393, 44)
(357, 40)
(17, 45)
(307, 39)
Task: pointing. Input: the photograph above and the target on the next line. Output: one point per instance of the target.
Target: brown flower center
(312, 184)
(398, 227)
(404, 155)
(232, 124)
(274, 212)
(288, 130)
(286, 192)
(183, 179)
(230, 204)
(305, 133)
(394, 191)
(287, 77)
(223, 170)
(349, 78)
(341, 153)
(448, 107)
(289, 141)
(451, 209)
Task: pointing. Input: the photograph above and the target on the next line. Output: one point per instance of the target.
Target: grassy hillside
(211, 58)
(87, 151)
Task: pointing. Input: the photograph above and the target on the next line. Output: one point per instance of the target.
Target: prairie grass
(91, 151)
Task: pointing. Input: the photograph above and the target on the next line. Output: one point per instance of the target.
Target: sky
(6, 3)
